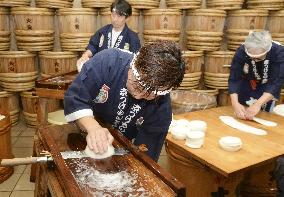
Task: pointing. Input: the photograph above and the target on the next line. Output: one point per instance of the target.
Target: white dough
(92, 154)
(230, 121)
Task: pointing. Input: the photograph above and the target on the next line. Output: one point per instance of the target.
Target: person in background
(257, 75)
(114, 35)
(128, 91)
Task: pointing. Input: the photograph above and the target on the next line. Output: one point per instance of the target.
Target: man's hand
(240, 110)
(85, 57)
(81, 62)
(252, 111)
(98, 139)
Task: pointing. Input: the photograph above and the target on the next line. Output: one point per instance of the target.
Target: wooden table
(228, 169)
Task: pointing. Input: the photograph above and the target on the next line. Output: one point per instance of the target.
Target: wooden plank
(147, 178)
(256, 150)
(50, 93)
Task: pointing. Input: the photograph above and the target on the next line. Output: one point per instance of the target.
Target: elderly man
(128, 91)
(257, 75)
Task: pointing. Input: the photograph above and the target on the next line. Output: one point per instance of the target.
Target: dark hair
(160, 65)
(122, 7)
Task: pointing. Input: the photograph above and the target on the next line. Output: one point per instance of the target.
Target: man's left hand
(252, 110)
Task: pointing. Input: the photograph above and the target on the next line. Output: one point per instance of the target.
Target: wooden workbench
(61, 182)
(215, 170)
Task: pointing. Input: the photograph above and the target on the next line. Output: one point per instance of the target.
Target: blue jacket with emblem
(242, 74)
(101, 40)
(100, 90)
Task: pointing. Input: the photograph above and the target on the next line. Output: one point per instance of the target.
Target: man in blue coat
(257, 75)
(114, 35)
(130, 92)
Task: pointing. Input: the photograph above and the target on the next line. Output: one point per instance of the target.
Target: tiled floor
(19, 185)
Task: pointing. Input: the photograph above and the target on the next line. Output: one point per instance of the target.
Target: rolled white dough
(92, 154)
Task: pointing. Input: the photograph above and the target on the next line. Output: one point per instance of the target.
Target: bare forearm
(88, 123)
(234, 98)
(264, 99)
(87, 54)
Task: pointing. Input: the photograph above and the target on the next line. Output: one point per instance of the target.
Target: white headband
(138, 78)
(259, 55)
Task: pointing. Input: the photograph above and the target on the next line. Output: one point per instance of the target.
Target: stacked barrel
(34, 28)
(184, 4)
(5, 139)
(225, 5)
(54, 3)
(96, 3)
(265, 4)
(4, 29)
(74, 33)
(144, 4)
(275, 26)
(193, 62)
(241, 22)
(54, 63)
(162, 24)
(15, 3)
(204, 29)
(30, 105)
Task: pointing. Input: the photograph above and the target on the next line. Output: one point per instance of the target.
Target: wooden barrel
(144, 4)
(260, 182)
(218, 61)
(185, 4)
(225, 4)
(77, 20)
(199, 179)
(209, 20)
(208, 36)
(4, 19)
(96, 3)
(132, 21)
(17, 70)
(5, 139)
(29, 18)
(162, 24)
(235, 37)
(223, 98)
(17, 62)
(265, 4)
(186, 101)
(193, 61)
(75, 41)
(15, 3)
(52, 63)
(30, 105)
(247, 19)
(14, 108)
(53, 3)
(274, 24)
(281, 99)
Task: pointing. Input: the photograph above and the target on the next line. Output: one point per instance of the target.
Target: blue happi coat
(101, 40)
(250, 79)
(100, 90)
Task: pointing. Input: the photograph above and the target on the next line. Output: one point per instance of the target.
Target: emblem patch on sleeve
(103, 94)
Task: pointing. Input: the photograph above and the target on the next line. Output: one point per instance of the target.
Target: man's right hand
(98, 139)
(81, 62)
(240, 110)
